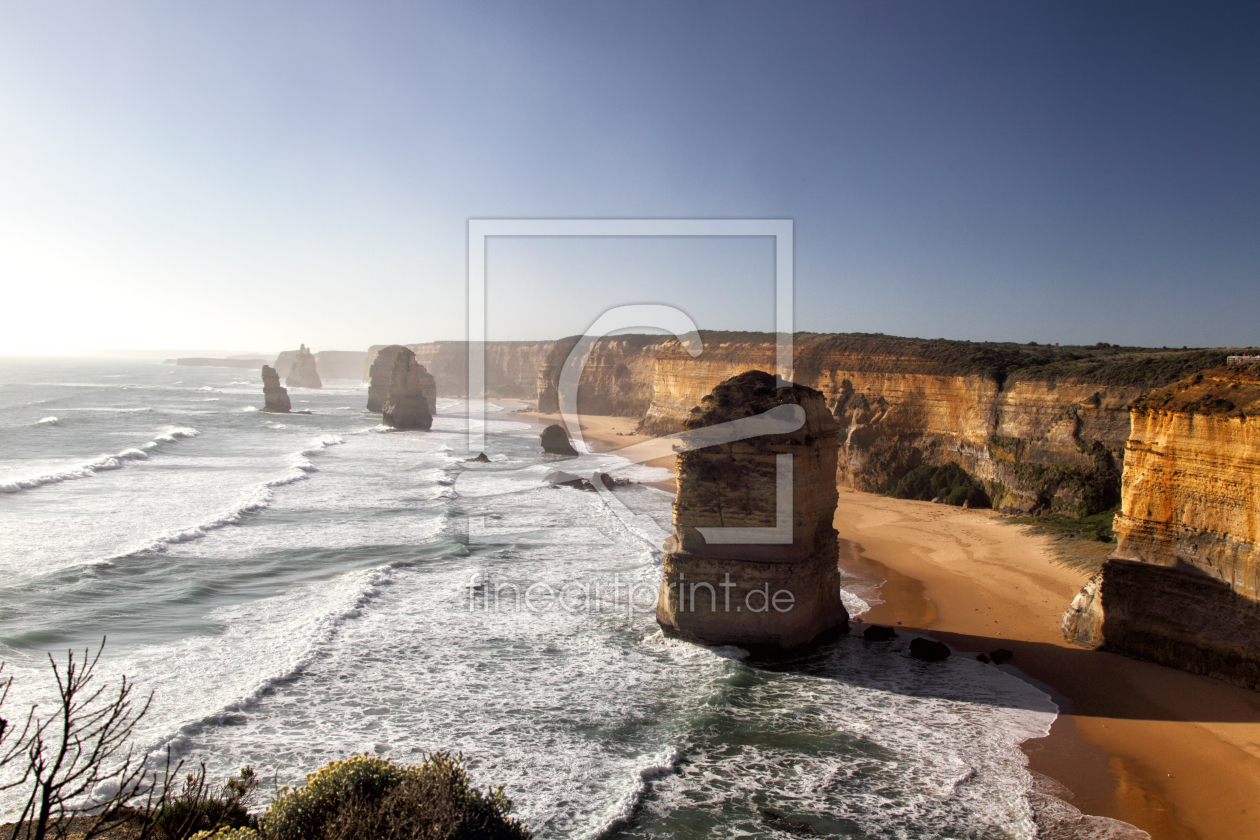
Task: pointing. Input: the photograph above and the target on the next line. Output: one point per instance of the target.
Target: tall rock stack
(304, 373)
(1183, 586)
(410, 386)
(757, 596)
(379, 375)
(275, 396)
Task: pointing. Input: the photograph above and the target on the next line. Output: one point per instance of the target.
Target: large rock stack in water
(379, 374)
(304, 373)
(407, 404)
(759, 596)
(1183, 586)
(276, 397)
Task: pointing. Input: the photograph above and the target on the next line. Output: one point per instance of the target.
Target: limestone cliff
(407, 404)
(756, 596)
(1042, 427)
(304, 373)
(616, 379)
(1183, 586)
(276, 398)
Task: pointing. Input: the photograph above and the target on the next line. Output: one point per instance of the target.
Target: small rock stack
(303, 374)
(407, 404)
(382, 372)
(276, 397)
(757, 596)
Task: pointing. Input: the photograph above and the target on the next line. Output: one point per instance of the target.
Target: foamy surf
(105, 463)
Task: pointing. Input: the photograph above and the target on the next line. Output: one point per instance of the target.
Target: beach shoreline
(1174, 754)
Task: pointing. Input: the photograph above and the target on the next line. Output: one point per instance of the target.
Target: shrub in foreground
(368, 797)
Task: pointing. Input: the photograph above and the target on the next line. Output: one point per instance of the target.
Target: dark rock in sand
(980, 657)
(555, 441)
(610, 482)
(480, 459)
(929, 650)
(274, 394)
(1001, 656)
(407, 407)
(879, 633)
(304, 373)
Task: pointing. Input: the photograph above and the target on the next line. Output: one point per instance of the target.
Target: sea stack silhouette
(764, 597)
(381, 374)
(407, 404)
(304, 373)
(274, 394)
(555, 441)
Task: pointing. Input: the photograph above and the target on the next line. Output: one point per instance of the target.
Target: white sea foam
(48, 421)
(105, 463)
(257, 498)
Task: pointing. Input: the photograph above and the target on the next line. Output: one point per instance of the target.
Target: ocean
(293, 589)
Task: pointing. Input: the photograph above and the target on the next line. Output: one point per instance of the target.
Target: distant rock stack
(407, 404)
(379, 375)
(276, 397)
(304, 373)
(759, 596)
(555, 441)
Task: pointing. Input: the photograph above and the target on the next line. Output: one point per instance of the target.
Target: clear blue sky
(245, 175)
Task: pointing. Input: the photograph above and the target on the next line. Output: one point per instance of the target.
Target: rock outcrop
(274, 394)
(555, 441)
(379, 376)
(407, 403)
(1183, 586)
(762, 597)
(511, 367)
(304, 373)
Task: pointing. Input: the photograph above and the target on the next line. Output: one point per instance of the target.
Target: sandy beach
(1174, 754)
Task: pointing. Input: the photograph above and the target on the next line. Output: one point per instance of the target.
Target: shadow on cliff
(1082, 682)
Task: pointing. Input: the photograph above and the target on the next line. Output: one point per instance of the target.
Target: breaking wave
(103, 464)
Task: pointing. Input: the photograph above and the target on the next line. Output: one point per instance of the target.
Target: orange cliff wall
(1183, 586)
(511, 366)
(1037, 443)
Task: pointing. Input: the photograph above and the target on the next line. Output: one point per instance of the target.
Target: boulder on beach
(879, 633)
(304, 373)
(274, 394)
(555, 441)
(406, 407)
(560, 478)
(929, 650)
(480, 459)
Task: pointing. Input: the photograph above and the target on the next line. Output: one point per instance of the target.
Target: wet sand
(1174, 754)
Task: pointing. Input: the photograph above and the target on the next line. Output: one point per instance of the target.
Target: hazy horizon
(231, 176)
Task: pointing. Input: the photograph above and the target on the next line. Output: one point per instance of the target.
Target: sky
(248, 176)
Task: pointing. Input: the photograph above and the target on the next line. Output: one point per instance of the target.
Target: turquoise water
(296, 588)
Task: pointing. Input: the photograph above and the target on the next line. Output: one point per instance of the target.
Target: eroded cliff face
(1183, 586)
(763, 596)
(1036, 443)
(616, 380)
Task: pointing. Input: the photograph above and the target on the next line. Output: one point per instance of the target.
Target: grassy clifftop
(1102, 364)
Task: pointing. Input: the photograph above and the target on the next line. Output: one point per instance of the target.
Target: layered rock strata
(759, 596)
(381, 374)
(304, 373)
(274, 394)
(616, 380)
(407, 404)
(1183, 586)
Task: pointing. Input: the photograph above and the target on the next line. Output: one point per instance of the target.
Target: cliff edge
(1183, 586)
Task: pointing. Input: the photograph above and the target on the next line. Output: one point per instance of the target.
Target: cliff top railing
(1241, 360)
